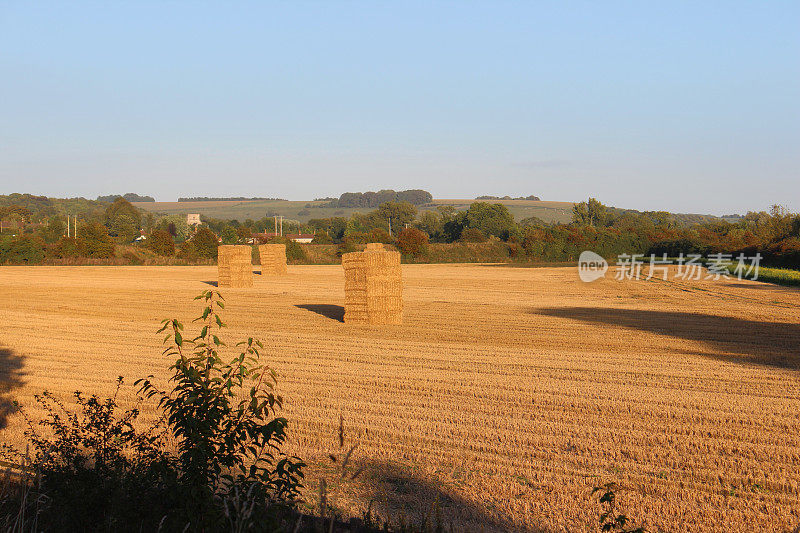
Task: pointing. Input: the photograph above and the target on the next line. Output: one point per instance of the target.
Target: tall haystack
(373, 287)
(235, 266)
(375, 246)
(273, 259)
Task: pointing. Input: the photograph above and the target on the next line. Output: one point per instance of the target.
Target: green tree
(54, 230)
(243, 234)
(176, 225)
(321, 237)
(161, 242)
(431, 223)
(24, 249)
(98, 242)
(591, 213)
(491, 219)
(204, 243)
(228, 235)
(123, 220)
(398, 214)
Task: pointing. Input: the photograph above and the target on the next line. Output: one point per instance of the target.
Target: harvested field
(506, 394)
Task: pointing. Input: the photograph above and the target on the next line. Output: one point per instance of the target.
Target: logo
(591, 266)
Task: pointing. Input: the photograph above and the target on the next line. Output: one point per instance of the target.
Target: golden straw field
(506, 394)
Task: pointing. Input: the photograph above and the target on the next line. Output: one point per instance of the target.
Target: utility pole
(67, 225)
(75, 226)
(390, 226)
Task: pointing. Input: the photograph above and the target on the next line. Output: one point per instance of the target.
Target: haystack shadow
(10, 379)
(212, 283)
(334, 312)
(774, 344)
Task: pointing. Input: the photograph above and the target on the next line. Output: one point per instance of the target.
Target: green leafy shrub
(96, 471)
(610, 519)
(222, 413)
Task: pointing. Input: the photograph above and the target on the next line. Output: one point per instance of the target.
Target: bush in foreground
(96, 471)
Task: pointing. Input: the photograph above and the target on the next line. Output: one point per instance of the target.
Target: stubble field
(506, 395)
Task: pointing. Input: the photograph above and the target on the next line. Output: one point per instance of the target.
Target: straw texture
(373, 287)
(234, 266)
(273, 259)
(375, 246)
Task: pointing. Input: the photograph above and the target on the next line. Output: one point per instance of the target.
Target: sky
(678, 106)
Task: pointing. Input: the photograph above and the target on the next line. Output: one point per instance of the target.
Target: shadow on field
(334, 312)
(397, 492)
(212, 283)
(10, 379)
(773, 344)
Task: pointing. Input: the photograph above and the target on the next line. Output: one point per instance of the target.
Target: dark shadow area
(212, 283)
(397, 493)
(334, 312)
(773, 344)
(257, 272)
(10, 379)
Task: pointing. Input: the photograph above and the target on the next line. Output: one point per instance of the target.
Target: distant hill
(303, 211)
(227, 199)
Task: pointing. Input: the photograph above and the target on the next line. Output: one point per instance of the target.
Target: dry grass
(272, 258)
(235, 266)
(373, 286)
(506, 393)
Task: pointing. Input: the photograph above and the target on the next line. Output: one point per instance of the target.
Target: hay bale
(373, 287)
(375, 246)
(273, 259)
(234, 266)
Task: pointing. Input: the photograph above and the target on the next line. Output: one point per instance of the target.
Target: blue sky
(682, 106)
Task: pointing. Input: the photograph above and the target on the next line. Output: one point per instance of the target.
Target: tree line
(106, 231)
(371, 199)
(130, 196)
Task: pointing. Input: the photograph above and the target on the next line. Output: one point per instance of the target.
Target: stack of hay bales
(373, 287)
(235, 266)
(273, 259)
(375, 246)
